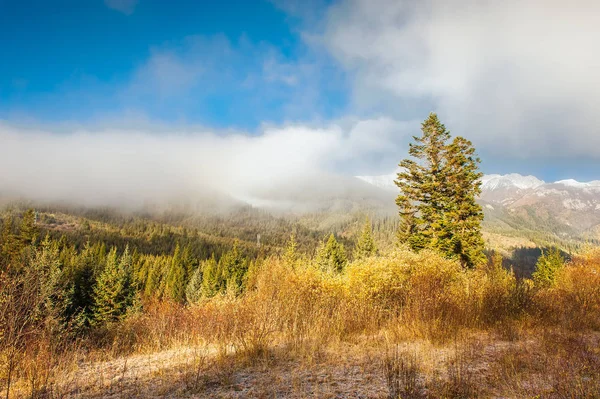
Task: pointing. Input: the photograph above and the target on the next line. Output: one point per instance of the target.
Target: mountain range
(527, 206)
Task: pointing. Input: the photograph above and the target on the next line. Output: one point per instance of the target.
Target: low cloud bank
(135, 167)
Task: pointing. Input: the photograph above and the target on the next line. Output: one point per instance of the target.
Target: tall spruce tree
(439, 185)
(464, 213)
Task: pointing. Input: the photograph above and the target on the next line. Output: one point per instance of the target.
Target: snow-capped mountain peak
(528, 201)
(513, 180)
(489, 182)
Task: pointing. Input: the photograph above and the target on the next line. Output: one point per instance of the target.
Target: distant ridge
(562, 208)
(492, 182)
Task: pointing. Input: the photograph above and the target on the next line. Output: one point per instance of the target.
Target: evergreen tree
(408, 224)
(193, 290)
(112, 292)
(439, 186)
(9, 244)
(189, 262)
(547, 268)
(211, 277)
(28, 231)
(81, 274)
(176, 279)
(46, 268)
(126, 265)
(464, 213)
(234, 267)
(141, 272)
(365, 246)
(154, 286)
(331, 256)
(290, 256)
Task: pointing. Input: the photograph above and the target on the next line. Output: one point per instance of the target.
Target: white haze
(136, 167)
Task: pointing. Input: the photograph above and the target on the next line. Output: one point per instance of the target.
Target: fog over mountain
(131, 167)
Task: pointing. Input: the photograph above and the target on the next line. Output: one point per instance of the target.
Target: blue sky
(86, 60)
(516, 78)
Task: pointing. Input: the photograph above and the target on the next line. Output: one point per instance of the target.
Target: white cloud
(132, 167)
(518, 76)
(126, 7)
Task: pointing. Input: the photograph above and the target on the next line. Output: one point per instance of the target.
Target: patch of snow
(544, 192)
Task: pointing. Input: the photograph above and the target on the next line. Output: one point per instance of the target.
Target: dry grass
(402, 325)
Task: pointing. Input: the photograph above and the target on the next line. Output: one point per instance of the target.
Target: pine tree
(331, 256)
(154, 286)
(438, 191)
(464, 213)
(547, 267)
(46, 268)
(211, 277)
(9, 244)
(234, 267)
(176, 279)
(365, 246)
(112, 292)
(126, 265)
(28, 231)
(189, 262)
(193, 290)
(82, 273)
